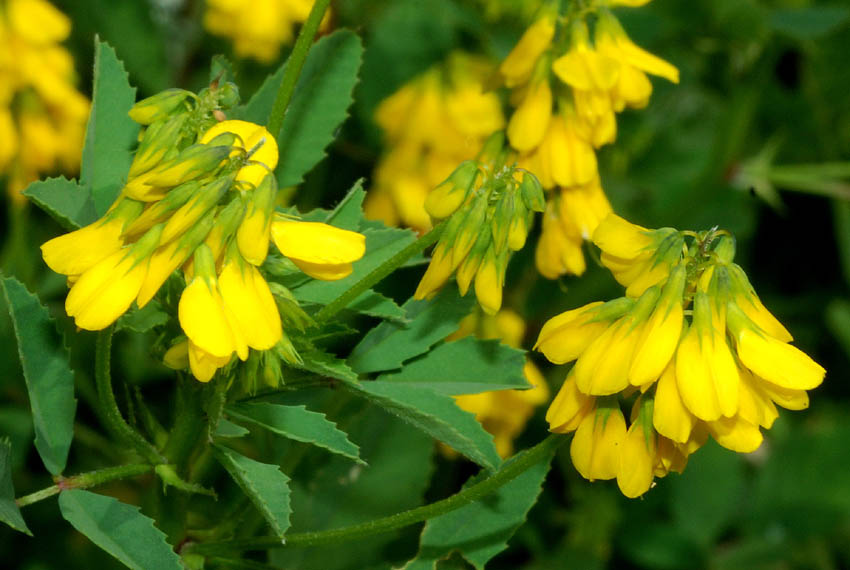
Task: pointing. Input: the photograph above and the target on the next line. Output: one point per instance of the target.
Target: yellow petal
(778, 362)
(488, 286)
(203, 364)
(517, 67)
(251, 137)
(564, 337)
(437, 273)
(247, 294)
(637, 461)
(568, 408)
(75, 252)
(736, 434)
(105, 291)
(531, 119)
(670, 417)
(620, 238)
(317, 243)
(202, 316)
(596, 445)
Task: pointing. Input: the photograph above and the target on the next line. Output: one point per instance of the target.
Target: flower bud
(443, 200)
(255, 230)
(159, 139)
(159, 106)
(532, 193)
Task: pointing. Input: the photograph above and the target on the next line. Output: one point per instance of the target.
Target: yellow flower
(529, 122)
(582, 67)
(107, 289)
(558, 250)
(247, 295)
(517, 67)
(636, 468)
(595, 449)
(252, 138)
(319, 250)
(255, 230)
(203, 364)
(564, 337)
(258, 28)
(569, 407)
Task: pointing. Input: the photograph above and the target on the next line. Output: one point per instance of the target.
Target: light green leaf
(480, 530)
(9, 511)
(298, 423)
(227, 428)
(436, 414)
(111, 133)
(319, 105)
(144, 319)
(809, 23)
(349, 212)
(325, 364)
(388, 345)
(50, 382)
(466, 366)
(265, 485)
(119, 529)
(66, 201)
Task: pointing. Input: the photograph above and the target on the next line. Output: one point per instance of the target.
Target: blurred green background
(756, 77)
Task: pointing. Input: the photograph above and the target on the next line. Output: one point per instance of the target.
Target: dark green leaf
(50, 382)
(340, 494)
(388, 345)
(349, 212)
(325, 364)
(809, 23)
(265, 485)
(111, 133)
(298, 423)
(369, 303)
(66, 201)
(144, 319)
(466, 366)
(436, 414)
(119, 529)
(9, 511)
(481, 529)
(319, 106)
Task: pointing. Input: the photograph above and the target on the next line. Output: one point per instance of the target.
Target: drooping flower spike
(200, 196)
(691, 337)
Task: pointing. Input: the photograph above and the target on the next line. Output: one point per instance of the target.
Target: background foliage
(756, 75)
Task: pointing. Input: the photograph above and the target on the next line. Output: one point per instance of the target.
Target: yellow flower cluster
(490, 206)
(566, 89)
(257, 27)
(42, 115)
(694, 342)
(206, 204)
(431, 124)
(503, 413)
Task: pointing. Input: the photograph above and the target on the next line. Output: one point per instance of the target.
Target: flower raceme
(42, 115)
(489, 206)
(431, 124)
(200, 196)
(690, 337)
(567, 86)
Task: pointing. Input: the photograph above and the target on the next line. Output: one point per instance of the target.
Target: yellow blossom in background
(42, 115)
(569, 75)
(200, 195)
(431, 124)
(258, 28)
(503, 413)
(691, 337)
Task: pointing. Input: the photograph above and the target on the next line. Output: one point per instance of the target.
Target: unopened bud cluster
(690, 339)
(489, 204)
(200, 196)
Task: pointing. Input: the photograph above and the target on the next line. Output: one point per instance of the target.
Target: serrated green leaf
(66, 201)
(340, 494)
(50, 381)
(325, 364)
(481, 529)
(349, 212)
(119, 529)
(436, 414)
(144, 319)
(9, 511)
(369, 303)
(298, 423)
(265, 485)
(227, 428)
(110, 133)
(319, 105)
(466, 366)
(221, 69)
(388, 345)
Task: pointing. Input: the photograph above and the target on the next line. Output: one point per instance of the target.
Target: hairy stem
(294, 65)
(115, 423)
(509, 471)
(379, 273)
(85, 480)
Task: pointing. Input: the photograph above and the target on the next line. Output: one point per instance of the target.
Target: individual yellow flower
(319, 250)
(42, 115)
(258, 28)
(517, 67)
(431, 124)
(503, 413)
(703, 365)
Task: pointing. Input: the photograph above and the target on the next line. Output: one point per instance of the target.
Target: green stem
(294, 65)
(109, 407)
(507, 473)
(379, 273)
(85, 480)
